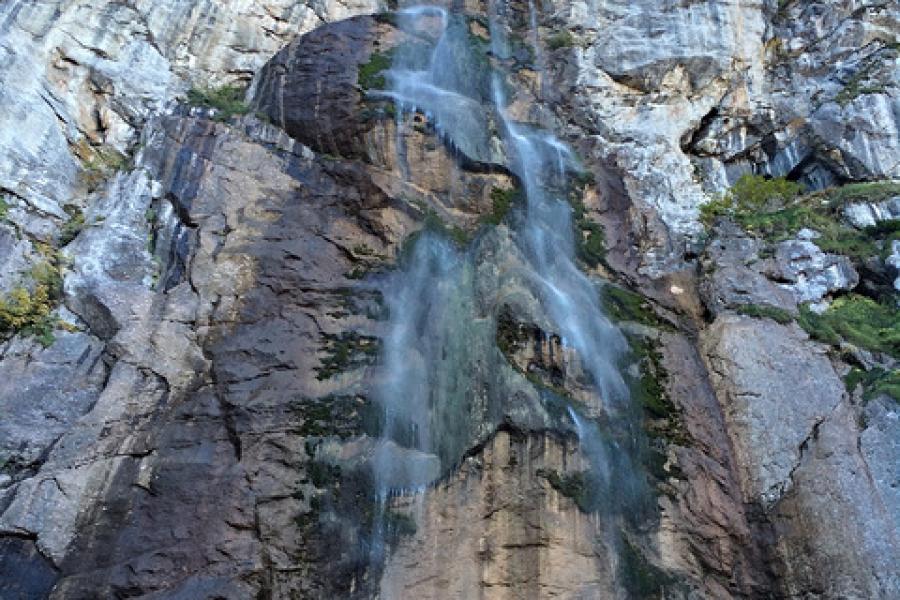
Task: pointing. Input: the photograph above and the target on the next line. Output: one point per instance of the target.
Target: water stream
(440, 355)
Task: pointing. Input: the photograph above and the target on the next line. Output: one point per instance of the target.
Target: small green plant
(363, 250)
(858, 320)
(623, 305)
(860, 83)
(99, 163)
(641, 578)
(71, 228)
(346, 351)
(750, 194)
(571, 485)
(28, 311)
(501, 202)
(4, 209)
(370, 74)
(765, 311)
(777, 215)
(874, 382)
(227, 100)
(562, 39)
(590, 240)
(398, 525)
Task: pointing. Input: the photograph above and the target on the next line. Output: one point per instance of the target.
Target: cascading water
(440, 357)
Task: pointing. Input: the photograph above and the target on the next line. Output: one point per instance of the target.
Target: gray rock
(893, 260)
(812, 274)
(43, 391)
(774, 387)
(836, 502)
(862, 214)
(734, 274)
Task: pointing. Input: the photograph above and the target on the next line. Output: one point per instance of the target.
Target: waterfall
(438, 348)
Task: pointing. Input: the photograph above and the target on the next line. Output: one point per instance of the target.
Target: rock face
(195, 406)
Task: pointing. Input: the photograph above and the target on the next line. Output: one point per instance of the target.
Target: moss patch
(624, 305)
(857, 319)
(337, 415)
(771, 209)
(71, 228)
(662, 418)
(501, 202)
(874, 382)
(562, 39)
(227, 100)
(578, 486)
(750, 194)
(590, 240)
(641, 578)
(99, 163)
(370, 74)
(346, 351)
(765, 311)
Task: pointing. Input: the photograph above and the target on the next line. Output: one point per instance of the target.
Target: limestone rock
(811, 273)
(769, 416)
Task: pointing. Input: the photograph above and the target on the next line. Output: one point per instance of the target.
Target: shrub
(227, 100)
(501, 202)
(28, 311)
(73, 226)
(99, 163)
(875, 382)
(590, 239)
(4, 209)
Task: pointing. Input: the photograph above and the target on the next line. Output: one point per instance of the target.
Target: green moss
(433, 222)
(502, 201)
(590, 240)
(227, 100)
(562, 39)
(771, 210)
(641, 578)
(750, 194)
(663, 419)
(346, 351)
(875, 191)
(4, 209)
(858, 320)
(860, 83)
(323, 474)
(363, 250)
(397, 526)
(874, 382)
(99, 163)
(71, 228)
(765, 311)
(577, 486)
(370, 74)
(623, 305)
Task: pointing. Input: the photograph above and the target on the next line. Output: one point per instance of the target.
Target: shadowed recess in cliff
(445, 386)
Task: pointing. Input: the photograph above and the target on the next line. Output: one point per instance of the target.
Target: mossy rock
(226, 100)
